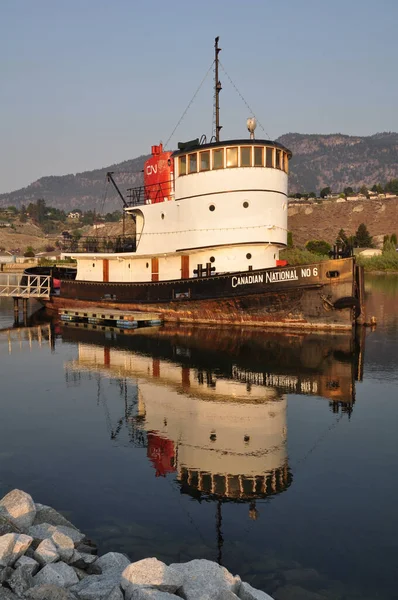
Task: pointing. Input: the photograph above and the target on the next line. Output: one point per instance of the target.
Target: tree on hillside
(392, 186)
(342, 239)
(312, 195)
(348, 191)
(37, 211)
(393, 238)
(363, 239)
(378, 189)
(364, 191)
(289, 239)
(325, 192)
(23, 217)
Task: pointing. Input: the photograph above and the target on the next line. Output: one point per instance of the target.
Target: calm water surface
(264, 451)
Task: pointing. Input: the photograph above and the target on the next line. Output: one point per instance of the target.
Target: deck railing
(94, 244)
(150, 194)
(28, 286)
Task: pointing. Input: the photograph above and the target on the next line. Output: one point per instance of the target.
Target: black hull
(325, 295)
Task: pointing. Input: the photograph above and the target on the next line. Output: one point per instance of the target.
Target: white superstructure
(225, 210)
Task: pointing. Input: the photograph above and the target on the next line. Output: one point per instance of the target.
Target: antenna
(217, 89)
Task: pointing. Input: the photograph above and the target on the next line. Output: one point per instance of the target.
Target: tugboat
(210, 222)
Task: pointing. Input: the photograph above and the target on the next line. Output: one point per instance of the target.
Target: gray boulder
(151, 572)
(19, 508)
(44, 531)
(226, 595)
(82, 560)
(46, 514)
(20, 580)
(7, 526)
(30, 565)
(205, 580)
(97, 587)
(12, 546)
(59, 574)
(5, 573)
(136, 592)
(112, 561)
(6, 594)
(116, 594)
(64, 545)
(86, 547)
(49, 592)
(247, 592)
(6, 545)
(46, 552)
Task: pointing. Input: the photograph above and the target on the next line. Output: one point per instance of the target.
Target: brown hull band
(293, 297)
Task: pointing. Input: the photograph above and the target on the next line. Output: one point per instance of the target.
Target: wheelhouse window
(218, 158)
(182, 165)
(278, 159)
(193, 163)
(286, 162)
(269, 157)
(258, 156)
(232, 157)
(245, 156)
(204, 161)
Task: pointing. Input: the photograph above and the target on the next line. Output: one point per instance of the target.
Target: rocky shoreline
(43, 556)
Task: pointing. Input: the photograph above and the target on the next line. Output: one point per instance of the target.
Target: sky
(88, 83)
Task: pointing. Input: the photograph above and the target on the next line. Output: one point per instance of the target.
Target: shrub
(294, 256)
(29, 252)
(318, 247)
(388, 261)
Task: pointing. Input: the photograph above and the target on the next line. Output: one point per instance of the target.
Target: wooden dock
(119, 319)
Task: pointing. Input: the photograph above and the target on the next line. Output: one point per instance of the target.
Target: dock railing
(27, 286)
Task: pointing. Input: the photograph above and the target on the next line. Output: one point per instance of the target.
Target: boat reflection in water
(211, 404)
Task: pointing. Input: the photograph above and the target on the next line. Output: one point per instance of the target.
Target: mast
(217, 89)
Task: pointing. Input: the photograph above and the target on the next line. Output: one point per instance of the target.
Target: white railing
(28, 286)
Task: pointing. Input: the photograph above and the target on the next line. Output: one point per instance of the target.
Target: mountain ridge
(319, 160)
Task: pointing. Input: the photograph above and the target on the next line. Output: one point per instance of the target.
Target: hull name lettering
(247, 279)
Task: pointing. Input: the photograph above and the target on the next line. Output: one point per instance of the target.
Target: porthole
(245, 205)
(147, 265)
(246, 438)
(212, 207)
(248, 256)
(332, 274)
(162, 215)
(213, 436)
(129, 266)
(212, 259)
(93, 265)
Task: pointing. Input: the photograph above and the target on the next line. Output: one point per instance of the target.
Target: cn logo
(151, 169)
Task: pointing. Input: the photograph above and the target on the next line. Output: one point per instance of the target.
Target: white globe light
(251, 124)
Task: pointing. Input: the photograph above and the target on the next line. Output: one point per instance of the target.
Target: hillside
(84, 190)
(323, 221)
(318, 160)
(339, 161)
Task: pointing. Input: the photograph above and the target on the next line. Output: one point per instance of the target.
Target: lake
(275, 454)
